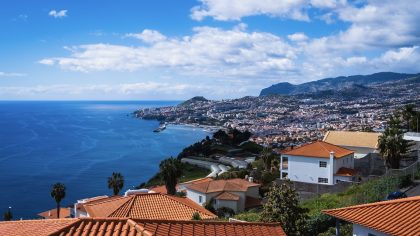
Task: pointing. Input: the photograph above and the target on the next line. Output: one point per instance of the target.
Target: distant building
(146, 206)
(236, 194)
(362, 143)
(318, 163)
(52, 214)
(144, 227)
(395, 217)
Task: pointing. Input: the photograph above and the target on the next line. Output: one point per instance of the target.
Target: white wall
(195, 196)
(306, 169)
(346, 161)
(253, 192)
(359, 230)
(224, 203)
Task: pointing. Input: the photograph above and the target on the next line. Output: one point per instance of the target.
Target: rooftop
(148, 206)
(353, 139)
(319, 149)
(52, 214)
(134, 227)
(239, 185)
(394, 217)
(343, 171)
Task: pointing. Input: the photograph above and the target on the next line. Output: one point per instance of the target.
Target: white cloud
(148, 36)
(297, 37)
(58, 14)
(210, 51)
(11, 74)
(236, 9)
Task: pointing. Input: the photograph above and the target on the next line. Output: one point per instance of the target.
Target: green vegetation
(116, 182)
(8, 215)
(196, 216)
(58, 192)
(189, 172)
(283, 206)
(170, 172)
(252, 215)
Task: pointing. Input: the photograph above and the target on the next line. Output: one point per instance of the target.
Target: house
(236, 194)
(65, 212)
(414, 138)
(79, 209)
(362, 143)
(146, 206)
(318, 163)
(135, 227)
(394, 217)
(181, 187)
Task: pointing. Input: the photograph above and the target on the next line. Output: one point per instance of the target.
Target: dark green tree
(170, 171)
(408, 113)
(392, 146)
(283, 206)
(267, 157)
(116, 182)
(58, 192)
(8, 215)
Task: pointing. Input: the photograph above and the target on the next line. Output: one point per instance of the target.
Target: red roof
(234, 185)
(318, 149)
(343, 171)
(52, 214)
(149, 206)
(394, 217)
(126, 226)
(227, 196)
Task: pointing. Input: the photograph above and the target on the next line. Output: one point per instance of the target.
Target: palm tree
(408, 113)
(58, 192)
(116, 182)
(392, 146)
(170, 171)
(267, 157)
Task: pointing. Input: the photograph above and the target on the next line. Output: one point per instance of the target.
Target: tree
(8, 215)
(408, 113)
(392, 146)
(116, 182)
(196, 216)
(267, 157)
(283, 206)
(170, 171)
(58, 192)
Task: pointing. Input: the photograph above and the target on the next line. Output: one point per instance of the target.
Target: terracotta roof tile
(52, 214)
(394, 217)
(149, 206)
(235, 185)
(33, 227)
(343, 171)
(318, 149)
(227, 196)
(353, 139)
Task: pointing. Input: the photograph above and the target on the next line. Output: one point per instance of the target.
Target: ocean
(79, 144)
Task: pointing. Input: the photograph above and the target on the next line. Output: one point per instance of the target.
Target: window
(200, 199)
(369, 234)
(284, 175)
(285, 163)
(323, 180)
(323, 164)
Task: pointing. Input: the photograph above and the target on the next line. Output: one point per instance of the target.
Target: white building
(394, 217)
(414, 138)
(318, 163)
(237, 194)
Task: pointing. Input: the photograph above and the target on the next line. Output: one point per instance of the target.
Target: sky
(177, 49)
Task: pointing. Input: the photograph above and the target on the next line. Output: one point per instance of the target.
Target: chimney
(331, 178)
(49, 213)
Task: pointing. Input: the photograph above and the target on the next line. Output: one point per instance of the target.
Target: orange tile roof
(343, 171)
(227, 196)
(52, 214)
(149, 206)
(33, 227)
(394, 217)
(162, 188)
(353, 138)
(319, 149)
(132, 227)
(234, 185)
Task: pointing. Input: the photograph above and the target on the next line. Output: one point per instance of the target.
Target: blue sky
(102, 50)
